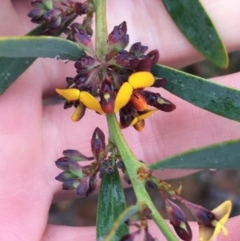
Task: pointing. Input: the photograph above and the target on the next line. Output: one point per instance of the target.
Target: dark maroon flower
(178, 220)
(98, 144)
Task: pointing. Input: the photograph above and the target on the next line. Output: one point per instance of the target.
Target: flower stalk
(101, 28)
(133, 165)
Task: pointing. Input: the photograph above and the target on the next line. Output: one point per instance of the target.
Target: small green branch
(132, 165)
(101, 28)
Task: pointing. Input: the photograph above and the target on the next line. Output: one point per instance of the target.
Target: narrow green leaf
(31, 46)
(195, 24)
(219, 99)
(12, 68)
(225, 155)
(111, 204)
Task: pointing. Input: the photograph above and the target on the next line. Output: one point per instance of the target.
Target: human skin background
(32, 136)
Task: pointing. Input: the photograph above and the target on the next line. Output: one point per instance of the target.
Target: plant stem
(101, 28)
(132, 165)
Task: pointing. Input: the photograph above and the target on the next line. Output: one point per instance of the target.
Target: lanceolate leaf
(12, 68)
(195, 24)
(224, 155)
(31, 46)
(111, 204)
(219, 99)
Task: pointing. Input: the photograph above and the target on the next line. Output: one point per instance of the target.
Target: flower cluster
(116, 82)
(211, 223)
(55, 14)
(83, 178)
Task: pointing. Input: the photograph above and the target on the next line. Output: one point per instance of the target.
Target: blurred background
(207, 188)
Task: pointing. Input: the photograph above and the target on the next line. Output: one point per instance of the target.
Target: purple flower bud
(55, 23)
(92, 185)
(70, 184)
(178, 220)
(84, 41)
(86, 63)
(80, 8)
(138, 48)
(63, 176)
(154, 56)
(62, 163)
(144, 65)
(120, 164)
(67, 104)
(155, 99)
(148, 236)
(83, 186)
(159, 82)
(52, 15)
(201, 214)
(98, 144)
(107, 96)
(126, 115)
(75, 155)
(36, 13)
(117, 33)
(75, 169)
(151, 184)
(80, 79)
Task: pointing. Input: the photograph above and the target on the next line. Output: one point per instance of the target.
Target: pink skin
(33, 136)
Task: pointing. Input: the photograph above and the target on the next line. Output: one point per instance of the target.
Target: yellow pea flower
(83, 97)
(210, 232)
(138, 80)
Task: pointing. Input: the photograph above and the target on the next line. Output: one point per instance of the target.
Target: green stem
(132, 165)
(101, 28)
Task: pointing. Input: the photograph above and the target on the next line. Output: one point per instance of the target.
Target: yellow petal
(69, 94)
(79, 112)
(146, 114)
(90, 102)
(222, 212)
(123, 96)
(140, 80)
(134, 121)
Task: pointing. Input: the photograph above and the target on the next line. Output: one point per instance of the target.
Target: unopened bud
(83, 186)
(178, 220)
(92, 185)
(64, 176)
(75, 169)
(75, 155)
(155, 99)
(98, 144)
(154, 56)
(138, 48)
(84, 41)
(70, 184)
(107, 97)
